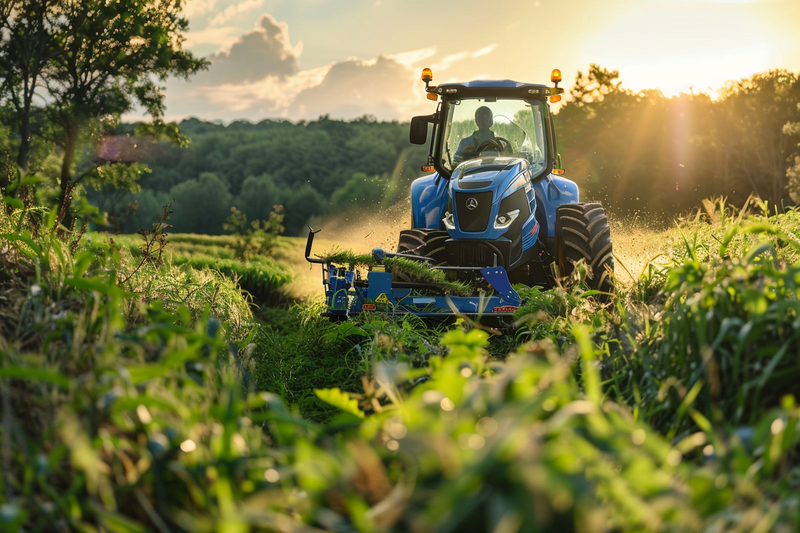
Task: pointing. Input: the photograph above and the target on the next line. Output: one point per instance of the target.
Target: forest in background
(635, 152)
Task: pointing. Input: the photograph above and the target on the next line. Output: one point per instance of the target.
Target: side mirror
(419, 129)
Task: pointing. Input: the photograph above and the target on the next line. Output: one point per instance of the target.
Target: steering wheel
(500, 144)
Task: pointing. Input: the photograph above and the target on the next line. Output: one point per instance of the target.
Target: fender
(552, 192)
(428, 198)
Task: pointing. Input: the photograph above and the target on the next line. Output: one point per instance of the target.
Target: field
(143, 395)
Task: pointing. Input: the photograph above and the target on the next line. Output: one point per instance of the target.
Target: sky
(299, 59)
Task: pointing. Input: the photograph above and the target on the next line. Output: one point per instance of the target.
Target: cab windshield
(489, 126)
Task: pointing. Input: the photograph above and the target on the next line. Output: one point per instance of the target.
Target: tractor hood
(483, 172)
(480, 189)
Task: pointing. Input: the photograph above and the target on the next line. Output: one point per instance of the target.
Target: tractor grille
(477, 253)
(476, 219)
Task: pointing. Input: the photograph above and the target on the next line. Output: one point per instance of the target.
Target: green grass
(670, 407)
(261, 277)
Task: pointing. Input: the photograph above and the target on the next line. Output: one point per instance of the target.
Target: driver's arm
(463, 146)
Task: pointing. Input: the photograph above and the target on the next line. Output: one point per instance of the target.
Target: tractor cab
(488, 118)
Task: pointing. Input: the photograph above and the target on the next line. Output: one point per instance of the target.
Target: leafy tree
(595, 85)
(301, 206)
(374, 155)
(646, 151)
(792, 129)
(201, 205)
(258, 196)
(257, 238)
(112, 53)
(754, 112)
(359, 191)
(27, 44)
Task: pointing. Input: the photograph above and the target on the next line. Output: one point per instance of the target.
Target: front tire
(424, 242)
(582, 232)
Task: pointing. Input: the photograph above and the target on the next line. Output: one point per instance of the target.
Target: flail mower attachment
(347, 294)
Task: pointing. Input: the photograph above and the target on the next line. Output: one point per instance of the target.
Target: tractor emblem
(472, 203)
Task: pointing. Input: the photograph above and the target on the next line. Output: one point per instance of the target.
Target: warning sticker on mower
(369, 307)
(505, 309)
(382, 299)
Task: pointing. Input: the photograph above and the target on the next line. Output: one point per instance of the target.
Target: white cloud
(447, 61)
(271, 95)
(235, 9)
(485, 50)
(195, 8)
(258, 75)
(409, 59)
(381, 87)
(223, 37)
(264, 51)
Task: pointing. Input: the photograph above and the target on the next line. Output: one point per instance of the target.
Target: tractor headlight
(448, 220)
(504, 220)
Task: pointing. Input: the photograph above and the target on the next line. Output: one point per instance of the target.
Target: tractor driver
(468, 145)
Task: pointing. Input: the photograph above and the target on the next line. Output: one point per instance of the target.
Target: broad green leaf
(98, 285)
(13, 202)
(116, 523)
(82, 262)
(24, 237)
(340, 400)
(35, 374)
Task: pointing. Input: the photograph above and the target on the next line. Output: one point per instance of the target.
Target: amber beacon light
(427, 75)
(555, 76)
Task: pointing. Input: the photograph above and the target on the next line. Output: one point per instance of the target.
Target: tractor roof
(509, 88)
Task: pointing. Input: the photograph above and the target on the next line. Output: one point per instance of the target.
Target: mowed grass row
(261, 277)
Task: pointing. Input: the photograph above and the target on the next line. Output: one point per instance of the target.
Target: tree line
(642, 151)
(311, 168)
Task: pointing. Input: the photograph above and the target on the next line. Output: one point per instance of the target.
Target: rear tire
(424, 242)
(582, 232)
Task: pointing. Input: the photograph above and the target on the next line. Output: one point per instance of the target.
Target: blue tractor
(494, 211)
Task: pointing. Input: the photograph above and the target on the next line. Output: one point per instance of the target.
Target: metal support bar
(309, 243)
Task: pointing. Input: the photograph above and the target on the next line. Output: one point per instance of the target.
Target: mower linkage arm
(310, 241)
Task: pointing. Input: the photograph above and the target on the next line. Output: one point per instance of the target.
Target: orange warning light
(555, 98)
(427, 75)
(428, 168)
(555, 76)
(432, 96)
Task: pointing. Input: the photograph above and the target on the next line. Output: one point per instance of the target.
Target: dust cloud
(636, 245)
(361, 231)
